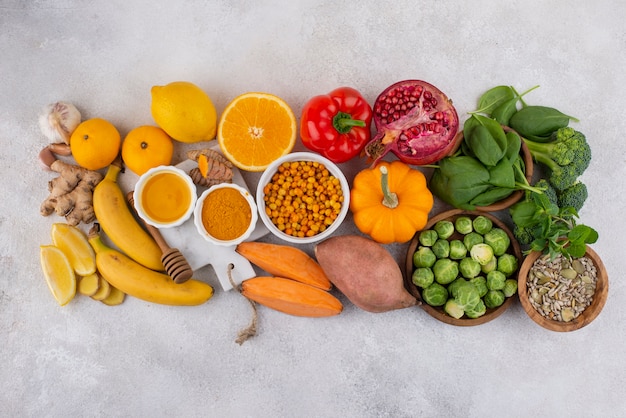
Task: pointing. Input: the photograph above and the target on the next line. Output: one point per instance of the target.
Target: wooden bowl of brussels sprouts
(463, 267)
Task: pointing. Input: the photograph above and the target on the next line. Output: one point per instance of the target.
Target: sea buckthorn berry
(303, 198)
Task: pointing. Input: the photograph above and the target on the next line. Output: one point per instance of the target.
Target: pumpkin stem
(390, 199)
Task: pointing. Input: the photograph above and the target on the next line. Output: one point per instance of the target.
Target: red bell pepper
(336, 125)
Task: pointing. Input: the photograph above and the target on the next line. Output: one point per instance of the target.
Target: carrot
(285, 261)
(291, 297)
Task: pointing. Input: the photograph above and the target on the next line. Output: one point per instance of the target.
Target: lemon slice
(74, 243)
(59, 273)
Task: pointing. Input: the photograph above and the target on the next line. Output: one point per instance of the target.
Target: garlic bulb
(58, 120)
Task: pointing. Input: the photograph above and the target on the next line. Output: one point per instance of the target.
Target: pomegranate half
(415, 121)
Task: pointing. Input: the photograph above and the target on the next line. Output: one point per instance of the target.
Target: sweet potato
(285, 261)
(365, 272)
(291, 297)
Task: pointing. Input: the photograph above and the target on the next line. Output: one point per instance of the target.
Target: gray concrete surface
(141, 359)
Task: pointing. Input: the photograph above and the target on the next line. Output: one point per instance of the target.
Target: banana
(136, 280)
(119, 224)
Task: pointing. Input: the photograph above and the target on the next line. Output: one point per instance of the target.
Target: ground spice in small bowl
(226, 214)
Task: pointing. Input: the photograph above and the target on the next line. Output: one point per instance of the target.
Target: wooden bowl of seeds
(561, 294)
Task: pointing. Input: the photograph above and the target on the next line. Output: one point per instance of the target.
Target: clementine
(95, 143)
(146, 147)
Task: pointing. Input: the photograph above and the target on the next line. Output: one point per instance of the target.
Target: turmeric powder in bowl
(225, 214)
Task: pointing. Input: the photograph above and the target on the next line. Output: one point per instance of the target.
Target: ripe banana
(136, 280)
(119, 224)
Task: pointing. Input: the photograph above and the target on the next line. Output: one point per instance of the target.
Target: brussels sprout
(453, 309)
(498, 239)
(423, 277)
(510, 287)
(472, 239)
(482, 224)
(495, 280)
(445, 270)
(454, 286)
(424, 257)
(482, 253)
(494, 298)
(441, 248)
(490, 266)
(428, 237)
(444, 229)
(467, 296)
(458, 250)
(507, 264)
(480, 283)
(463, 225)
(435, 295)
(469, 267)
(476, 311)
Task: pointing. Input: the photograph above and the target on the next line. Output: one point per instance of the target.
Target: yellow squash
(390, 202)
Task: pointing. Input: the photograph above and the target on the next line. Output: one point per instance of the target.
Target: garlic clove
(58, 120)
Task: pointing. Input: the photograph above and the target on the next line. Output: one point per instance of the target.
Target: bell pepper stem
(390, 199)
(343, 122)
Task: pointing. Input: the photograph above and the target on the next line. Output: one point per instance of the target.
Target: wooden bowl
(586, 317)
(437, 312)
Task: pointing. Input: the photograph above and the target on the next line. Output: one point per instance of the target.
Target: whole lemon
(95, 143)
(184, 111)
(146, 147)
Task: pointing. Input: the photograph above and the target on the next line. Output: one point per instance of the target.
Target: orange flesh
(165, 197)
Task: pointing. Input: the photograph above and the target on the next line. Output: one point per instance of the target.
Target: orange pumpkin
(390, 202)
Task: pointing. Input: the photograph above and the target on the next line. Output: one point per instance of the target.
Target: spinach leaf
(502, 114)
(492, 195)
(493, 97)
(514, 145)
(458, 180)
(539, 121)
(486, 139)
(502, 174)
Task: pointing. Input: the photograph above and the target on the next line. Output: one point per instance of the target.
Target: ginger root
(71, 193)
(213, 168)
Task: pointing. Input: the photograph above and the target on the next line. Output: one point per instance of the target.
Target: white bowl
(302, 156)
(187, 183)
(197, 214)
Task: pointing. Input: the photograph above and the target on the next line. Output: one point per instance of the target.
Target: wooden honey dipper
(173, 260)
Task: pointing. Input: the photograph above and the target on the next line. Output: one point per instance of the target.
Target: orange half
(256, 129)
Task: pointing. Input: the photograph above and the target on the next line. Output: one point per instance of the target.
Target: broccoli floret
(567, 156)
(547, 190)
(574, 196)
(523, 235)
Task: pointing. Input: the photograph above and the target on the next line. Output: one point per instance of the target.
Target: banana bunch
(143, 283)
(119, 224)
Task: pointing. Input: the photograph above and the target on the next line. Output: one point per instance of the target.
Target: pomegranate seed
(428, 95)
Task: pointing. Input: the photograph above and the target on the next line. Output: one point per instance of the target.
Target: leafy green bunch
(544, 226)
(487, 168)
